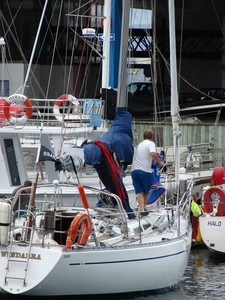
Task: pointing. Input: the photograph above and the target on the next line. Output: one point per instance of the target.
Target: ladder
(27, 234)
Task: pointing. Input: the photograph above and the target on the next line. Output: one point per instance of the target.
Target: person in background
(142, 173)
(196, 212)
(24, 196)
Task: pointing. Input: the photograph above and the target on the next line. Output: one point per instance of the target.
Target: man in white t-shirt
(141, 171)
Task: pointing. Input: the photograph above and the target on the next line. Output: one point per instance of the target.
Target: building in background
(200, 45)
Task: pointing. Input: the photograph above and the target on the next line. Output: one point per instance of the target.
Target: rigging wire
(66, 82)
(13, 19)
(72, 54)
(15, 39)
(217, 17)
(54, 47)
(82, 53)
(45, 95)
(87, 69)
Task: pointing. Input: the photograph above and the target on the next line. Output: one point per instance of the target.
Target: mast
(174, 92)
(106, 44)
(115, 23)
(122, 84)
(2, 47)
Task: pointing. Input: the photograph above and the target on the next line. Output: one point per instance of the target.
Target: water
(204, 279)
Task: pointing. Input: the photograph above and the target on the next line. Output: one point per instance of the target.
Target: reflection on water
(205, 276)
(204, 279)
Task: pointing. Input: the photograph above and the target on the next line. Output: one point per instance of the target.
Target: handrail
(97, 191)
(84, 112)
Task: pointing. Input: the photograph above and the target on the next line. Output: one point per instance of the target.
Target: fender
(5, 221)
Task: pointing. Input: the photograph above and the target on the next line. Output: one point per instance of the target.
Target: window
(5, 88)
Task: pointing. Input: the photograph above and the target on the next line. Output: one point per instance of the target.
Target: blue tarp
(119, 139)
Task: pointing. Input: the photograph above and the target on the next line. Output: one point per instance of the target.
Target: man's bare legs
(142, 200)
(146, 196)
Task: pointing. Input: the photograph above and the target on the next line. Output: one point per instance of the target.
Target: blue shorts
(142, 181)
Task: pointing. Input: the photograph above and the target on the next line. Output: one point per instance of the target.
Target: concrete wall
(42, 86)
(14, 73)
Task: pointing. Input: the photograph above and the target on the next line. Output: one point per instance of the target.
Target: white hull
(54, 251)
(87, 271)
(212, 231)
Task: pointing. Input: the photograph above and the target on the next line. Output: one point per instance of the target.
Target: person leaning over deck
(24, 197)
(141, 170)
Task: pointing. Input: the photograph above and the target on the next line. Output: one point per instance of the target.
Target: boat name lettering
(20, 255)
(45, 153)
(214, 223)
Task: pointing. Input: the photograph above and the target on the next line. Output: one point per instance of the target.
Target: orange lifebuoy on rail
(14, 110)
(15, 98)
(214, 197)
(82, 221)
(58, 103)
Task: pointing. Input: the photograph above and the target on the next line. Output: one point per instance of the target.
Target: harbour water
(204, 279)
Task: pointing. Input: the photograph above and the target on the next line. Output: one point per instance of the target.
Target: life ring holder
(209, 206)
(15, 98)
(58, 103)
(80, 220)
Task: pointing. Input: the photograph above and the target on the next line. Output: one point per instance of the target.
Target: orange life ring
(15, 98)
(58, 103)
(83, 221)
(208, 204)
(14, 110)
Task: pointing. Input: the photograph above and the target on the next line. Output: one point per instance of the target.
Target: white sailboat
(56, 249)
